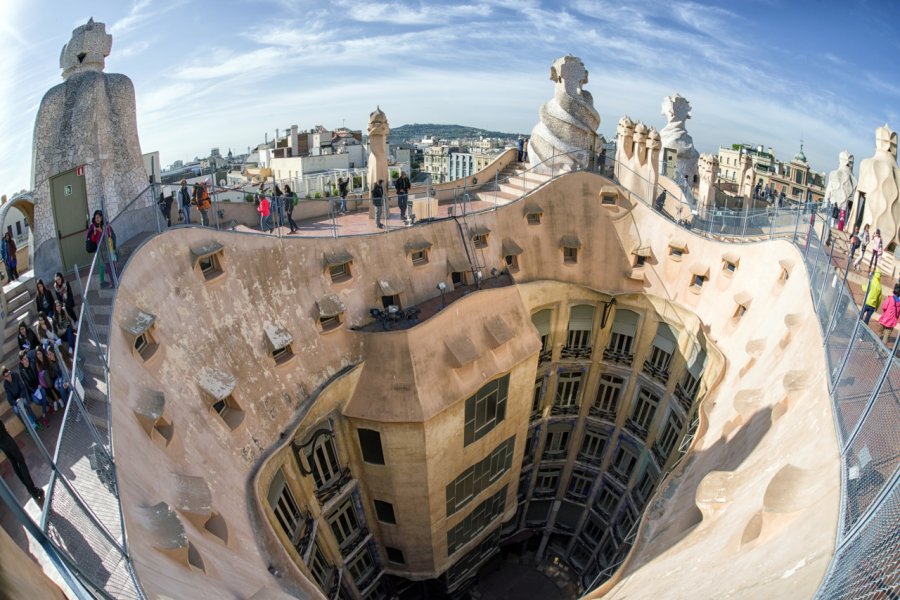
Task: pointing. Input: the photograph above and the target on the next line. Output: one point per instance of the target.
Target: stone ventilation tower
(86, 154)
(568, 126)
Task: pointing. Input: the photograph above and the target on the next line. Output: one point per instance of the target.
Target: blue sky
(223, 73)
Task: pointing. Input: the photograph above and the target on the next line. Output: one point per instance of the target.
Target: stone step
(18, 297)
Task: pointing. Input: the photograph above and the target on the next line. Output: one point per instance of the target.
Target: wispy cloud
(222, 78)
(138, 13)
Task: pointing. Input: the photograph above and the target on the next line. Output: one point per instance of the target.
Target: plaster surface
(879, 180)
(760, 488)
(674, 135)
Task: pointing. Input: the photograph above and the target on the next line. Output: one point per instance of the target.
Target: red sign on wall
(79, 171)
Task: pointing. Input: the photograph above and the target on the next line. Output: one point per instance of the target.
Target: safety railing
(82, 515)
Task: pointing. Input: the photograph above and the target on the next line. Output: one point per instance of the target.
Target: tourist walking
(873, 298)
(864, 239)
(402, 186)
(17, 461)
(278, 206)
(64, 295)
(165, 207)
(877, 250)
(854, 241)
(107, 248)
(264, 209)
(890, 311)
(184, 202)
(16, 390)
(378, 202)
(202, 202)
(10, 261)
(342, 192)
(290, 201)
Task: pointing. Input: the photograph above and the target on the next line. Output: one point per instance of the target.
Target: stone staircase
(886, 264)
(21, 309)
(513, 182)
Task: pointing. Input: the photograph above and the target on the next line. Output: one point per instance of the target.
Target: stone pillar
(378, 131)
(88, 120)
(708, 168)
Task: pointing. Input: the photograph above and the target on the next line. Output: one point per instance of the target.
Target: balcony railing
(622, 358)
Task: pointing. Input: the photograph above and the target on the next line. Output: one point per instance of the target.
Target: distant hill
(417, 131)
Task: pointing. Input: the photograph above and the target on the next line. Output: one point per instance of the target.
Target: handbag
(90, 245)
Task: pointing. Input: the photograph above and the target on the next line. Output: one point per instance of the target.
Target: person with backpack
(202, 202)
(873, 298)
(854, 242)
(108, 248)
(864, 239)
(290, 201)
(890, 311)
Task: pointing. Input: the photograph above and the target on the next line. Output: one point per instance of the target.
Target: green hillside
(417, 131)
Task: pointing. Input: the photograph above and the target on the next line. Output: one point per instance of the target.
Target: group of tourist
(382, 204)
(277, 211)
(861, 241)
(196, 196)
(37, 379)
(768, 193)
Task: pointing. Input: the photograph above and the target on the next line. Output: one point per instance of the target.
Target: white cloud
(135, 16)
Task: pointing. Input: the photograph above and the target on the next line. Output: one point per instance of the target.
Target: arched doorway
(24, 204)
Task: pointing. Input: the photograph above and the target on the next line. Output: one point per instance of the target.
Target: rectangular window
(607, 500)
(580, 484)
(686, 391)
(361, 567)
(624, 463)
(606, 404)
(570, 255)
(329, 323)
(644, 411)
(370, 444)
(480, 240)
(547, 482)
(323, 461)
(385, 512)
(557, 445)
(666, 442)
(534, 435)
(479, 476)
(18, 228)
(339, 273)
(230, 411)
(536, 398)
(658, 364)
(321, 569)
(282, 355)
(592, 446)
(282, 503)
(593, 530)
(395, 555)
(568, 396)
(534, 219)
(580, 333)
(344, 524)
(419, 257)
(476, 521)
(485, 409)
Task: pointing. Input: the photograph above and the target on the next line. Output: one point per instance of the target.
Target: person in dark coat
(43, 299)
(16, 390)
(17, 461)
(27, 339)
(8, 251)
(64, 294)
(402, 185)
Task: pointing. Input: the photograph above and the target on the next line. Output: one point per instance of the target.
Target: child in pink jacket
(890, 312)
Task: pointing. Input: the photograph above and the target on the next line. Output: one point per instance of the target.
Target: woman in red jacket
(107, 249)
(264, 210)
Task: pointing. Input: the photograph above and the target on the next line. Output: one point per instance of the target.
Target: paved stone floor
(513, 581)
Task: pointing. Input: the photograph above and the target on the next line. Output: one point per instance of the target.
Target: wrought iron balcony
(545, 356)
(564, 409)
(331, 489)
(608, 415)
(656, 372)
(623, 358)
(576, 352)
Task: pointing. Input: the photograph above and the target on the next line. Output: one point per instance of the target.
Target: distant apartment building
(795, 178)
(436, 162)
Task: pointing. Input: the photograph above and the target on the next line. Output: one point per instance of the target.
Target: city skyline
(226, 74)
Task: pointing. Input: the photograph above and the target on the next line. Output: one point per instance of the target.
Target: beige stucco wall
(760, 440)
